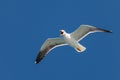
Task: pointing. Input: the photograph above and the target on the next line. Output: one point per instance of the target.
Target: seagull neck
(67, 35)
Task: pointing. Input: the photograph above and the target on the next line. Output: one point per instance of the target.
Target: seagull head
(62, 32)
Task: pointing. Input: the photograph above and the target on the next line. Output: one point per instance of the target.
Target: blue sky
(26, 24)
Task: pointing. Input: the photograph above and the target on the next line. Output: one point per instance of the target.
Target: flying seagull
(71, 39)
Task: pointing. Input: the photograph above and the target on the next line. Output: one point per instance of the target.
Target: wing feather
(48, 45)
(84, 30)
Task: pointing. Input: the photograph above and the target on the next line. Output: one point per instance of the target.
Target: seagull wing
(84, 30)
(48, 45)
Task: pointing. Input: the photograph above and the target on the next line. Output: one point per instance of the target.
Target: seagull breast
(69, 40)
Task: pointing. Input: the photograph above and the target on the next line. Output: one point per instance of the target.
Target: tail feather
(80, 48)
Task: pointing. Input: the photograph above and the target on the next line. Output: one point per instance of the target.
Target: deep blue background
(26, 24)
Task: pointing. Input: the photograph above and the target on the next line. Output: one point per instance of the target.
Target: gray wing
(48, 45)
(84, 30)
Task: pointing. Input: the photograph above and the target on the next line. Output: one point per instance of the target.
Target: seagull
(71, 39)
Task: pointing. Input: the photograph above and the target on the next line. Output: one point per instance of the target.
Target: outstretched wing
(48, 45)
(84, 30)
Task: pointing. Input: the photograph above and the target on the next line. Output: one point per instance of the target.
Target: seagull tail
(80, 48)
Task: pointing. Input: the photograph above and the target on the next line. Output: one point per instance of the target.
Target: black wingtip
(36, 62)
(108, 31)
(39, 57)
(104, 30)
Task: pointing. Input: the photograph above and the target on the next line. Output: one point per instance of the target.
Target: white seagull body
(71, 39)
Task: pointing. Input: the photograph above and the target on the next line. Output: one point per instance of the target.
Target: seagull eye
(61, 32)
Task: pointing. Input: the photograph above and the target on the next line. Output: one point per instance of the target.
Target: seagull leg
(78, 49)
